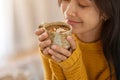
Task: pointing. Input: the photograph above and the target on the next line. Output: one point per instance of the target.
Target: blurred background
(19, 52)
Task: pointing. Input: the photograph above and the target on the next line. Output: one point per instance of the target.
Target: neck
(88, 39)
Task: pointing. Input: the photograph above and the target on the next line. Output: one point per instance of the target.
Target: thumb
(72, 42)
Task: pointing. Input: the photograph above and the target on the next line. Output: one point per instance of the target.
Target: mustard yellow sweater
(87, 62)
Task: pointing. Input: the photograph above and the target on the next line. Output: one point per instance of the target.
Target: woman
(95, 43)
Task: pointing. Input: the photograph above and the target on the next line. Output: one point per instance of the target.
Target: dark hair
(111, 32)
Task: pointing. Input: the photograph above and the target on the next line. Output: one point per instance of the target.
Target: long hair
(111, 32)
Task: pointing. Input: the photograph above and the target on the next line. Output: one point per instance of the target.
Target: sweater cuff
(45, 55)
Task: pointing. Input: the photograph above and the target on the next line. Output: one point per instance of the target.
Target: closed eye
(65, 0)
(82, 6)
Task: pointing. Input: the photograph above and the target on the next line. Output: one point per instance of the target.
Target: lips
(72, 22)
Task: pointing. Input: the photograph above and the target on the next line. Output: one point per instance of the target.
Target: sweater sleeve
(73, 67)
(46, 67)
(52, 71)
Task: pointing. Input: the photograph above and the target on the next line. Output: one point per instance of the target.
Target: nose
(70, 10)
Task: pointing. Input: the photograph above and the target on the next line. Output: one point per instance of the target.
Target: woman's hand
(60, 54)
(44, 41)
(57, 53)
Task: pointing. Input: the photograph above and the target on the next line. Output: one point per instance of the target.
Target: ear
(104, 17)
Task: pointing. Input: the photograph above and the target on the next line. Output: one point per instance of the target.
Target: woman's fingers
(56, 59)
(60, 54)
(43, 36)
(61, 50)
(72, 43)
(45, 51)
(45, 44)
(39, 31)
(56, 55)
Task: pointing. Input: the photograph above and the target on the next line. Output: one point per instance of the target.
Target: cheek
(92, 18)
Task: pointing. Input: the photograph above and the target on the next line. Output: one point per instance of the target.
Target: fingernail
(49, 51)
(48, 41)
(41, 30)
(69, 37)
(44, 52)
(54, 46)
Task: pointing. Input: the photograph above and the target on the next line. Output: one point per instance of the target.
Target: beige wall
(28, 15)
(21, 18)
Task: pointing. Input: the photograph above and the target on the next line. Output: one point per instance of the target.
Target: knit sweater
(87, 62)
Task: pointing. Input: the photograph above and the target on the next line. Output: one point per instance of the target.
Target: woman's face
(83, 15)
